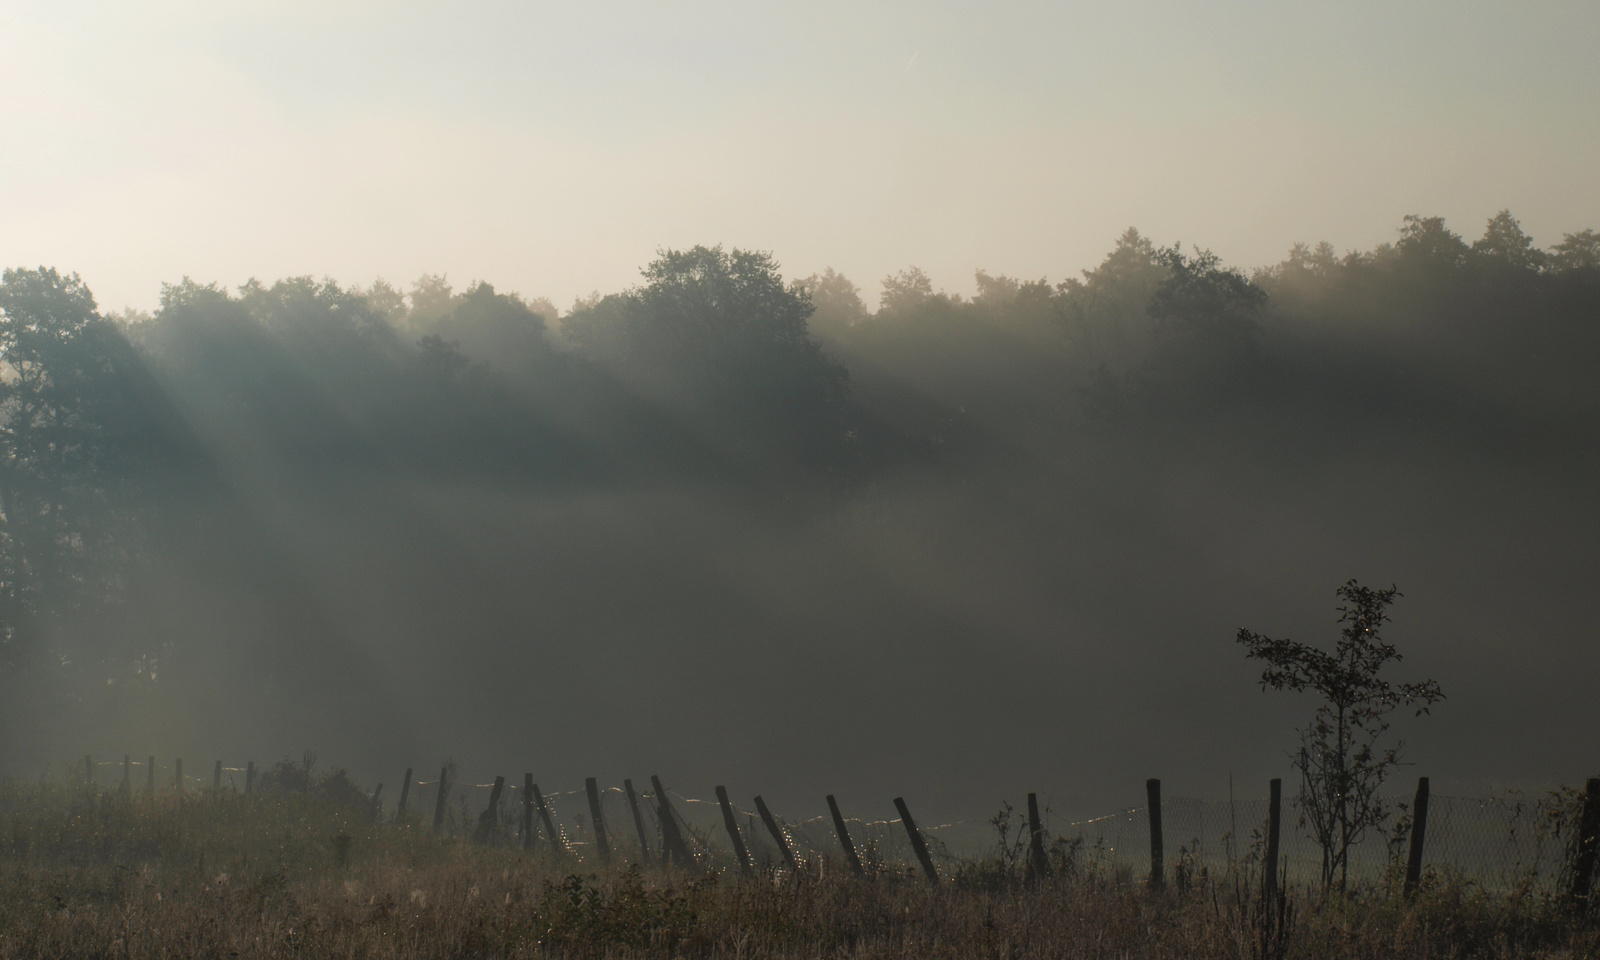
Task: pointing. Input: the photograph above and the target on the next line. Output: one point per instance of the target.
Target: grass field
(95, 873)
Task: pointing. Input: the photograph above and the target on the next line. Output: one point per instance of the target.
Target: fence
(1532, 846)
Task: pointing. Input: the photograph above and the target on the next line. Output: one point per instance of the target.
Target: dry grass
(95, 875)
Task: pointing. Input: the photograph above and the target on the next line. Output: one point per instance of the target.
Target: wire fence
(1516, 843)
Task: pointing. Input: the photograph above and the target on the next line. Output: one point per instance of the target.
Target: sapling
(1341, 761)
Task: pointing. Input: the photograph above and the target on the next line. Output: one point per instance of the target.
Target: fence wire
(1514, 844)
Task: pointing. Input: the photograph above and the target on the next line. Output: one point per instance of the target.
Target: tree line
(123, 434)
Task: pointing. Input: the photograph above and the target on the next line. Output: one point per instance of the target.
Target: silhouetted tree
(717, 338)
(1505, 245)
(1207, 328)
(906, 291)
(1577, 251)
(67, 417)
(496, 328)
(1427, 240)
(1341, 760)
(835, 300)
(1107, 312)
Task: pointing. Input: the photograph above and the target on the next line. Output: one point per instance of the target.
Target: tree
(1107, 312)
(1202, 299)
(67, 416)
(494, 327)
(1206, 335)
(1578, 251)
(906, 291)
(1341, 761)
(1008, 301)
(1428, 240)
(836, 300)
(717, 339)
(1505, 244)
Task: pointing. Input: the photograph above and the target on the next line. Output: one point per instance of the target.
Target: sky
(553, 149)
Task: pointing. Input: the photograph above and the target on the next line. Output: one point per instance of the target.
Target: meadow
(87, 871)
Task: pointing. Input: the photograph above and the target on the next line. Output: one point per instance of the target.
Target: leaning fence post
(1038, 862)
(638, 820)
(671, 837)
(1269, 872)
(844, 838)
(549, 824)
(486, 819)
(777, 835)
(250, 778)
(598, 816)
(1419, 831)
(1158, 874)
(405, 794)
(527, 811)
(438, 802)
(917, 843)
(733, 830)
(1588, 844)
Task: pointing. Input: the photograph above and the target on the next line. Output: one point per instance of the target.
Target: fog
(734, 525)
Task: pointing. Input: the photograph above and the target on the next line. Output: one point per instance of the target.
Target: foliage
(1505, 244)
(1207, 333)
(718, 339)
(580, 912)
(70, 457)
(245, 445)
(1577, 252)
(292, 875)
(1428, 240)
(836, 302)
(1341, 760)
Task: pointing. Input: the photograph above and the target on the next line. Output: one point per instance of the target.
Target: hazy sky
(550, 149)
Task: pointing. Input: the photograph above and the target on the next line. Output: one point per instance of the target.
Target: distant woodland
(164, 477)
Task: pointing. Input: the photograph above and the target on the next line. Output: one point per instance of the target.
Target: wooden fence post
(216, 779)
(598, 817)
(556, 846)
(1158, 873)
(917, 843)
(1588, 845)
(1269, 871)
(638, 820)
(844, 838)
(672, 843)
(405, 794)
(527, 812)
(1038, 861)
(438, 801)
(1419, 832)
(486, 819)
(771, 823)
(250, 778)
(732, 825)
(150, 777)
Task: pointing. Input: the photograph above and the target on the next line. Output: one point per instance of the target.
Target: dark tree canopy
(321, 477)
(720, 340)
